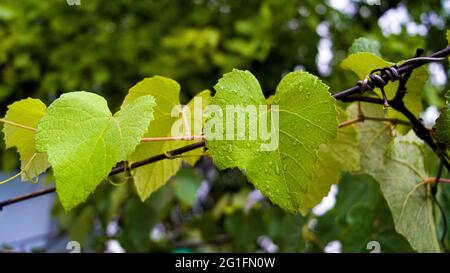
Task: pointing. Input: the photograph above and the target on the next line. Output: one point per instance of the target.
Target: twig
(166, 155)
(362, 99)
(25, 197)
(363, 118)
(349, 122)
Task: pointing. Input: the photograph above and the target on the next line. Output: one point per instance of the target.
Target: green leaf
(411, 204)
(442, 126)
(338, 155)
(26, 112)
(185, 186)
(238, 88)
(282, 174)
(84, 140)
(363, 63)
(365, 45)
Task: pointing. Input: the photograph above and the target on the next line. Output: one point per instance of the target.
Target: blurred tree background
(49, 47)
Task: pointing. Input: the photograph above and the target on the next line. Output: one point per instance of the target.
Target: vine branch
(114, 171)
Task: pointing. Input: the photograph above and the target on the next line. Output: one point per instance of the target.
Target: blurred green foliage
(49, 47)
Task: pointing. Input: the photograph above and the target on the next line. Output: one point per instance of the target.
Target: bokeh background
(49, 47)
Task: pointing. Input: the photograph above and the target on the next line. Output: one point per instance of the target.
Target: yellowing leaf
(338, 155)
(166, 92)
(83, 140)
(26, 112)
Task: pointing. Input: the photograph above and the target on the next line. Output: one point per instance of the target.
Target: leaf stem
(362, 118)
(187, 128)
(436, 180)
(15, 124)
(150, 139)
(11, 178)
(349, 122)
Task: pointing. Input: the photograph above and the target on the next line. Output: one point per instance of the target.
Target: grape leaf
(396, 163)
(83, 140)
(365, 45)
(338, 155)
(185, 186)
(239, 88)
(307, 118)
(363, 63)
(442, 126)
(26, 112)
(411, 205)
(166, 92)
